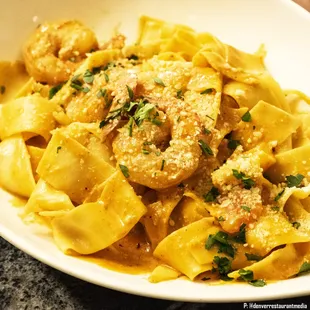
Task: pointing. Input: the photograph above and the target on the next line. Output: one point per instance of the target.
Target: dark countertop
(26, 283)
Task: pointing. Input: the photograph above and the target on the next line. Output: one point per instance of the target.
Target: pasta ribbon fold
(94, 226)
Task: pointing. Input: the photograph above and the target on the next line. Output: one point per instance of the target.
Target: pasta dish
(178, 155)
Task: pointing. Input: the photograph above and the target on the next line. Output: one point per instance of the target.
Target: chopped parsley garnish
(106, 77)
(108, 66)
(247, 117)
(88, 77)
(205, 148)
(247, 182)
(223, 267)
(279, 195)
(180, 94)
(101, 93)
(221, 219)
(156, 122)
(159, 81)
(130, 92)
(58, 149)
(246, 208)
(246, 275)
(221, 240)
(143, 113)
(147, 143)
(54, 90)
(296, 225)
(130, 124)
(146, 152)
(157, 153)
(253, 257)
(294, 180)
(208, 116)
(305, 268)
(207, 91)
(240, 236)
(2, 89)
(211, 195)
(77, 84)
(258, 283)
(178, 119)
(233, 144)
(162, 165)
(133, 57)
(124, 170)
(206, 131)
(275, 208)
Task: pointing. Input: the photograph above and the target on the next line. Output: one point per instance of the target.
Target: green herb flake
(246, 208)
(220, 239)
(279, 195)
(133, 57)
(247, 117)
(54, 90)
(247, 182)
(147, 143)
(305, 268)
(208, 116)
(206, 131)
(207, 91)
(159, 81)
(162, 165)
(124, 170)
(294, 180)
(109, 65)
(157, 153)
(88, 77)
(205, 148)
(258, 283)
(233, 144)
(246, 275)
(240, 236)
(130, 125)
(253, 257)
(130, 92)
(102, 93)
(143, 113)
(180, 94)
(106, 77)
(221, 219)
(146, 152)
(58, 149)
(211, 195)
(75, 78)
(223, 265)
(156, 122)
(275, 208)
(296, 225)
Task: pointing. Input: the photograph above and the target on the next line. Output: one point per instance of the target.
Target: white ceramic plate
(280, 24)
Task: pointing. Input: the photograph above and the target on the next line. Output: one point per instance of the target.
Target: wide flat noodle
(15, 168)
(45, 198)
(176, 249)
(273, 230)
(94, 226)
(30, 116)
(268, 124)
(70, 167)
(280, 264)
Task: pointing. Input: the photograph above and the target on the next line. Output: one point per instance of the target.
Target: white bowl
(280, 24)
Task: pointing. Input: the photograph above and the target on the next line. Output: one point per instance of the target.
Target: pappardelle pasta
(178, 155)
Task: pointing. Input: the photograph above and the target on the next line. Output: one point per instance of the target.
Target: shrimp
(54, 51)
(154, 161)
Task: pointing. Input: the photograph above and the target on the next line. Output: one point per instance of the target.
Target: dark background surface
(26, 283)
